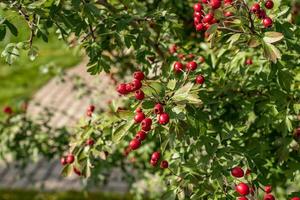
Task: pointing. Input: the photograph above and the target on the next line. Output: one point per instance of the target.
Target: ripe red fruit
(138, 75)
(267, 22)
(164, 164)
(129, 87)
(76, 171)
(158, 108)
(215, 4)
(198, 7)
(173, 49)
(136, 84)
(228, 2)
(268, 189)
(248, 61)
(261, 14)
(200, 27)
(295, 198)
(153, 162)
(135, 144)
(201, 59)
(122, 88)
(242, 189)
(141, 135)
(255, 8)
(155, 156)
(191, 66)
(237, 172)
(90, 142)
(206, 27)
(139, 95)
(139, 117)
(63, 161)
(198, 14)
(228, 14)
(200, 79)
(7, 110)
(178, 67)
(197, 20)
(139, 109)
(205, 1)
(146, 124)
(269, 4)
(242, 198)
(207, 18)
(70, 158)
(91, 108)
(269, 197)
(89, 113)
(163, 118)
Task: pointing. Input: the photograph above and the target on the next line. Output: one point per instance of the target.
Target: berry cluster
(134, 86)
(261, 13)
(190, 66)
(155, 157)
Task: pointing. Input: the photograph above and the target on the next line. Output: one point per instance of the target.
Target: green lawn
(71, 195)
(22, 79)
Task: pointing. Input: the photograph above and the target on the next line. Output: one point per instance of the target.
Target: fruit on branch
(215, 4)
(268, 189)
(208, 18)
(8, 110)
(197, 7)
(248, 61)
(122, 89)
(136, 84)
(200, 79)
(153, 162)
(163, 118)
(76, 171)
(63, 161)
(139, 109)
(267, 22)
(228, 14)
(237, 172)
(158, 108)
(205, 1)
(269, 197)
(242, 189)
(141, 135)
(178, 67)
(138, 75)
(90, 110)
(146, 124)
(155, 156)
(242, 198)
(164, 164)
(134, 144)
(70, 158)
(261, 14)
(269, 4)
(200, 27)
(191, 66)
(139, 117)
(255, 8)
(228, 2)
(139, 95)
(173, 49)
(90, 142)
(295, 198)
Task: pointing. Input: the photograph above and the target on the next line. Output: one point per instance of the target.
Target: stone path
(61, 97)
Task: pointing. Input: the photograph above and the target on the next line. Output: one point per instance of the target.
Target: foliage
(243, 115)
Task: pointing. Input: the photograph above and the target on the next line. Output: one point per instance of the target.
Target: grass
(70, 195)
(23, 78)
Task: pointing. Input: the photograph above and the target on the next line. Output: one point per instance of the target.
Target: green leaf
(11, 27)
(67, 170)
(121, 131)
(182, 93)
(2, 32)
(271, 52)
(171, 84)
(272, 37)
(253, 42)
(233, 39)
(212, 29)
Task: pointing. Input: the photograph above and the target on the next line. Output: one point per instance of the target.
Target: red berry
(122, 88)
(163, 118)
(138, 75)
(206, 27)
(7, 110)
(158, 108)
(205, 1)
(191, 66)
(90, 142)
(200, 27)
(269, 197)
(136, 84)
(228, 2)
(255, 8)
(237, 172)
(139, 109)
(139, 117)
(178, 67)
(91, 108)
(242, 198)
(228, 14)
(141, 135)
(197, 20)
(146, 124)
(153, 162)
(70, 158)
(89, 113)
(63, 161)
(135, 144)
(155, 156)
(200, 79)
(267, 22)
(268, 189)
(76, 171)
(164, 164)
(198, 7)
(269, 4)
(129, 87)
(201, 59)
(248, 61)
(173, 49)
(198, 14)
(213, 21)
(295, 198)
(207, 18)
(242, 189)
(261, 14)
(139, 95)
(215, 4)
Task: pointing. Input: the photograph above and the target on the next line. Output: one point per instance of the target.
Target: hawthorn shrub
(213, 103)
